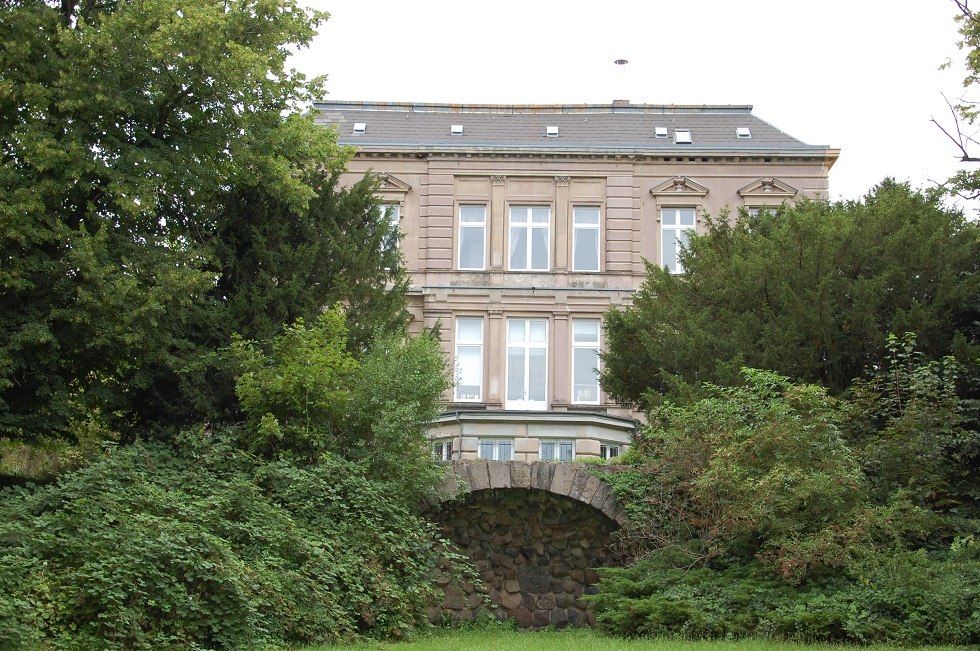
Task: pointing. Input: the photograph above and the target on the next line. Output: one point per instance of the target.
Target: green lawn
(581, 640)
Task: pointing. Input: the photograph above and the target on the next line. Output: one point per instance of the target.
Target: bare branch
(961, 140)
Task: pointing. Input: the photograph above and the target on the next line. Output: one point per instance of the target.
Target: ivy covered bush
(209, 548)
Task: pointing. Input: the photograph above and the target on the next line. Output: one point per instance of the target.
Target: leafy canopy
(123, 128)
(810, 292)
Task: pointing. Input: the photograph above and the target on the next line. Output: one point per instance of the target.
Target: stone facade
(520, 226)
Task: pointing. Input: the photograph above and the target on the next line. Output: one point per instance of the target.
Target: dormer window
(743, 132)
(551, 132)
(456, 129)
(360, 127)
(682, 137)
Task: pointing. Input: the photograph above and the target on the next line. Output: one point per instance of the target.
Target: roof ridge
(616, 107)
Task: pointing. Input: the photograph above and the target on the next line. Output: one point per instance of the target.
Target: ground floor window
(442, 450)
(496, 449)
(607, 451)
(557, 450)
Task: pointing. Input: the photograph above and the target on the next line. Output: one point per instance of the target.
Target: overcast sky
(859, 75)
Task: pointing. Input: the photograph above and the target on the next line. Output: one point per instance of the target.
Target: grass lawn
(580, 640)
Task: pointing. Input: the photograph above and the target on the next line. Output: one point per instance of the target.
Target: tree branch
(961, 140)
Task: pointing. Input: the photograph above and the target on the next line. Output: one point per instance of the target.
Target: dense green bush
(209, 548)
(767, 510)
(903, 598)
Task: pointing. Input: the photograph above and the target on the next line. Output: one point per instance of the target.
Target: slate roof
(582, 128)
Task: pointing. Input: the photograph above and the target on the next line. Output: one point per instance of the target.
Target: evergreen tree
(810, 292)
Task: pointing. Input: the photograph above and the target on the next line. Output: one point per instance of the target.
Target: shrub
(209, 548)
(904, 598)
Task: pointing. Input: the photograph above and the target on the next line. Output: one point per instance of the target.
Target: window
(660, 132)
(391, 213)
(469, 359)
(442, 451)
(551, 132)
(755, 211)
(472, 237)
(456, 129)
(527, 364)
(585, 239)
(743, 132)
(682, 137)
(557, 451)
(608, 451)
(585, 361)
(676, 225)
(529, 235)
(495, 449)
(360, 127)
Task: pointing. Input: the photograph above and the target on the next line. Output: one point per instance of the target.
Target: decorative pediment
(679, 186)
(390, 183)
(766, 188)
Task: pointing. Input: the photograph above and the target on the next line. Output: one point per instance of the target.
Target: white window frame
(754, 211)
(391, 211)
(462, 344)
(585, 346)
(558, 450)
(443, 450)
(579, 228)
(532, 397)
(495, 446)
(468, 228)
(522, 219)
(671, 260)
(610, 451)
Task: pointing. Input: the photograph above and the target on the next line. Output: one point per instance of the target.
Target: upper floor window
(529, 237)
(585, 361)
(469, 359)
(473, 237)
(676, 225)
(557, 451)
(391, 213)
(585, 238)
(527, 364)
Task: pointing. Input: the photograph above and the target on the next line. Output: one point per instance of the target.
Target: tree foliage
(122, 127)
(810, 292)
(307, 396)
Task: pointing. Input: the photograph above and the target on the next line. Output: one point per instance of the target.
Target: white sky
(859, 75)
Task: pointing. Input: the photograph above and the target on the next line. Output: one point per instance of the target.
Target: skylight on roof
(682, 137)
(743, 132)
(551, 132)
(360, 127)
(456, 129)
(660, 132)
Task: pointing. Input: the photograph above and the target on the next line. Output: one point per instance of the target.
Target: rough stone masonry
(534, 533)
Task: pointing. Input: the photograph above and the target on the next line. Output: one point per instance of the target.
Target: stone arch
(534, 532)
(565, 479)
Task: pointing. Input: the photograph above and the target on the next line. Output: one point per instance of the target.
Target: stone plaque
(534, 579)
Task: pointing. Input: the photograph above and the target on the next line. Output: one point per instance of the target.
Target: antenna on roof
(621, 102)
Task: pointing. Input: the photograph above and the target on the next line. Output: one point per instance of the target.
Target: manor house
(522, 224)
